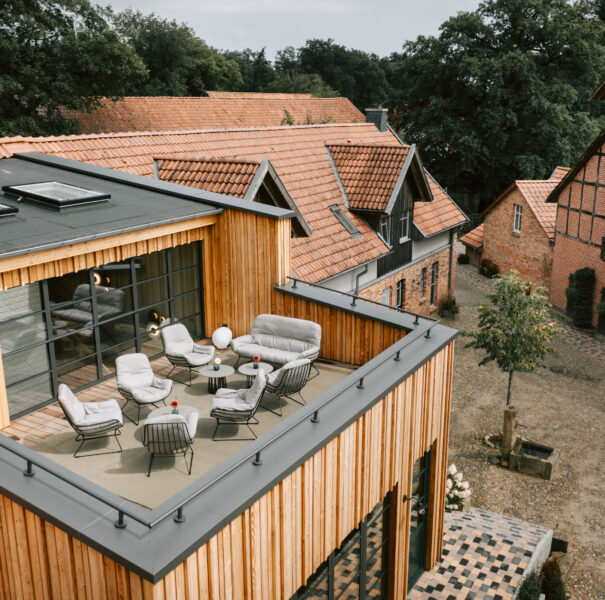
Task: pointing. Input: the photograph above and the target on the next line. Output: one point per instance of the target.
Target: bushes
(552, 582)
(463, 259)
(488, 268)
(531, 588)
(582, 293)
(448, 304)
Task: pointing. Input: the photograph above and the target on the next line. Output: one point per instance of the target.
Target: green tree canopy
(514, 331)
(58, 53)
(502, 93)
(255, 68)
(179, 63)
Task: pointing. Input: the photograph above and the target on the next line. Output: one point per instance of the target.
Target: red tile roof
(225, 110)
(440, 214)
(559, 172)
(231, 176)
(474, 237)
(368, 173)
(301, 160)
(256, 95)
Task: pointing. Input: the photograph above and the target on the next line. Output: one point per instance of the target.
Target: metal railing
(355, 297)
(310, 412)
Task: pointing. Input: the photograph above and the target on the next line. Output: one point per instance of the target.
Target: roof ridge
(198, 158)
(368, 145)
(88, 136)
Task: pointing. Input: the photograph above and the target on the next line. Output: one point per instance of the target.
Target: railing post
(353, 303)
(428, 334)
(360, 384)
(257, 459)
(398, 355)
(416, 320)
(315, 417)
(294, 282)
(29, 471)
(120, 523)
(180, 517)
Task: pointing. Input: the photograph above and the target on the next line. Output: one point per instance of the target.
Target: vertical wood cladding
(580, 229)
(271, 549)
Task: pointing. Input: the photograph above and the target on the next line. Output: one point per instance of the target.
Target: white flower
(452, 469)
(465, 485)
(458, 477)
(448, 484)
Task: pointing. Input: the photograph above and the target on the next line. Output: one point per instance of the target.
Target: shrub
(582, 294)
(463, 259)
(488, 268)
(448, 302)
(552, 582)
(531, 588)
(456, 490)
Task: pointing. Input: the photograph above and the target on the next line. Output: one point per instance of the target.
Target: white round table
(250, 372)
(217, 378)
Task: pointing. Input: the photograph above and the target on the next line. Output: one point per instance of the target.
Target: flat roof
(135, 203)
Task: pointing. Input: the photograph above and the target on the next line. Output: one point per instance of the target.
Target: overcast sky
(380, 26)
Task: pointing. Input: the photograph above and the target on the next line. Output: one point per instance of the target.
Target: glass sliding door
(70, 329)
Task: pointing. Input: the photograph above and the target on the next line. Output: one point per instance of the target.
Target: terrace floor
(46, 431)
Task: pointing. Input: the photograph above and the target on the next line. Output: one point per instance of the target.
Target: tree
(502, 93)
(58, 54)
(255, 68)
(354, 74)
(179, 63)
(514, 332)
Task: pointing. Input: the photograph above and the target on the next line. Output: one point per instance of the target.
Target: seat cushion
(198, 359)
(272, 355)
(187, 414)
(149, 394)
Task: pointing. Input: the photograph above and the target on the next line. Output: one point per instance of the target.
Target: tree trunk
(510, 386)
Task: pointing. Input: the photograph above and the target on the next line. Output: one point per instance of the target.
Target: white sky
(380, 26)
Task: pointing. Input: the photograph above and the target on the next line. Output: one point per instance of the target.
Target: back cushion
(176, 339)
(71, 405)
(134, 370)
(285, 333)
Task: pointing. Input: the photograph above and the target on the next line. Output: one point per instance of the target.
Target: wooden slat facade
(271, 549)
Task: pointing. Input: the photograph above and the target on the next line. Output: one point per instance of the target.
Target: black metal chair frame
(94, 431)
(168, 440)
(178, 362)
(291, 382)
(130, 398)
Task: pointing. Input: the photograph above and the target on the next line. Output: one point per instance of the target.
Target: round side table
(217, 378)
(250, 372)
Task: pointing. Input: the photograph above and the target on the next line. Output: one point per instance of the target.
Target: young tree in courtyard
(515, 331)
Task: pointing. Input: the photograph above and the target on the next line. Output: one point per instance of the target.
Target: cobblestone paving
(485, 556)
(581, 340)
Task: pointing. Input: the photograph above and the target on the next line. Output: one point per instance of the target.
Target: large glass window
(70, 329)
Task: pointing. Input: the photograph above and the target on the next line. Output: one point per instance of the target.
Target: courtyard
(561, 405)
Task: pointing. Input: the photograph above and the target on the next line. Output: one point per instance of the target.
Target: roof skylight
(56, 194)
(344, 220)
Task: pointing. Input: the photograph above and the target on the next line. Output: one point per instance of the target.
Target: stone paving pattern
(581, 340)
(484, 557)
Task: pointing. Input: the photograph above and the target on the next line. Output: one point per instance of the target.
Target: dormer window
(404, 219)
(385, 228)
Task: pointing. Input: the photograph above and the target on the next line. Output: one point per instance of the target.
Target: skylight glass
(8, 211)
(57, 194)
(344, 220)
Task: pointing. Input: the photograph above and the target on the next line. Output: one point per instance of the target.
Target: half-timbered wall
(271, 549)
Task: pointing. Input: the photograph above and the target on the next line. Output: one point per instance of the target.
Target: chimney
(377, 115)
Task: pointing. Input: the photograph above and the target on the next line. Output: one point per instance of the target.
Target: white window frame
(517, 217)
(386, 292)
(404, 227)
(423, 282)
(434, 275)
(400, 293)
(385, 225)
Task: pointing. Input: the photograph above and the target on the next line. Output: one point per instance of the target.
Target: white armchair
(182, 351)
(138, 384)
(91, 420)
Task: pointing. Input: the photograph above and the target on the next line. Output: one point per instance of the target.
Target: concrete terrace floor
(125, 474)
(485, 556)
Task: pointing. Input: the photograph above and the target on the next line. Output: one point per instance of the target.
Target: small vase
(216, 367)
(175, 411)
(255, 365)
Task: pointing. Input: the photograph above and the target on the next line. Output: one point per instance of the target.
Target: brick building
(580, 226)
(518, 230)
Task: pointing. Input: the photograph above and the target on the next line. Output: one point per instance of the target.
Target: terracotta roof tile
(221, 110)
(231, 176)
(440, 214)
(368, 172)
(535, 194)
(559, 172)
(474, 237)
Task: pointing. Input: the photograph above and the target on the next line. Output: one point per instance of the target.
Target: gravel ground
(561, 405)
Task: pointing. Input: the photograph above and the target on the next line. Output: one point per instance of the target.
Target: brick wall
(528, 252)
(580, 230)
(412, 274)
(474, 255)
